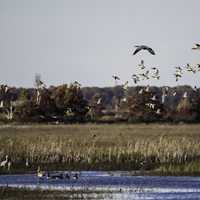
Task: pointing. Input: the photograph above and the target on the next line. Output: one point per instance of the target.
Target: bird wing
(151, 51)
(137, 50)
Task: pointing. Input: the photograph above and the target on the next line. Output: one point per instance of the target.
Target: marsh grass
(164, 148)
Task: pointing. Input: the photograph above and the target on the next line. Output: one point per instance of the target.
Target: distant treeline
(71, 103)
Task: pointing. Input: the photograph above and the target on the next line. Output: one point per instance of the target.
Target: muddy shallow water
(112, 185)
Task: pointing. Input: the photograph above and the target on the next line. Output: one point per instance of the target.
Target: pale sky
(90, 40)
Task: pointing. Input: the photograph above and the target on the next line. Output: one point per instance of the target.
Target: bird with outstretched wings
(143, 47)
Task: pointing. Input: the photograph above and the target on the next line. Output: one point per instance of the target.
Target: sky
(91, 40)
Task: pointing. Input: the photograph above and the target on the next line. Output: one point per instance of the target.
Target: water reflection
(111, 185)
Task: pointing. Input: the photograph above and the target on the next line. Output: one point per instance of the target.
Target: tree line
(69, 103)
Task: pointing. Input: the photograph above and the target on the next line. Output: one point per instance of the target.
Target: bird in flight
(196, 47)
(141, 64)
(155, 73)
(116, 77)
(190, 68)
(143, 47)
(135, 78)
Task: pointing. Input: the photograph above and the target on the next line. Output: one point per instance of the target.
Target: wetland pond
(109, 185)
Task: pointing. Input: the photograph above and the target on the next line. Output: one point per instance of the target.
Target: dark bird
(55, 176)
(143, 47)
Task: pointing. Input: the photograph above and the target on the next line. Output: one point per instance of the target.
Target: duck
(55, 176)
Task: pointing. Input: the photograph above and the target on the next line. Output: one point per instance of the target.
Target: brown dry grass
(91, 146)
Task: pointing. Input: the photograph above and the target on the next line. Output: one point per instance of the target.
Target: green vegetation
(69, 103)
(162, 149)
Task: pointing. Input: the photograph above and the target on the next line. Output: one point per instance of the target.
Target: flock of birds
(57, 175)
(154, 73)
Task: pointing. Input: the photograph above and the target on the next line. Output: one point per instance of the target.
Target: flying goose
(196, 47)
(141, 65)
(116, 77)
(177, 76)
(125, 85)
(135, 78)
(143, 47)
(190, 68)
(145, 75)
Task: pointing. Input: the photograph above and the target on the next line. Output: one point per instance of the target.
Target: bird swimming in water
(143, 47)
(40, 174)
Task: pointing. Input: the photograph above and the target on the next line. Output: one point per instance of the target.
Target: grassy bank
(166, 149)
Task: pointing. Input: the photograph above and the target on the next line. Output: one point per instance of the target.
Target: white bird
(4, 162)
(196, 47)
(158, 111)
(153, 98)
(195, 88)
(124, 99)
(177, 75)
(147, 88)
(140, 91)
(185, 95)
(145, 75)
(143, 47)
(40, 174)
(141, 65)
(190, 68)
(76, 83)
(163, 97)
(9, 165)
(135, 78)
(99, 101)
(155, 73)
(1, 104)
(174, 93)
(116, 77)
(125, 85)
(150, 105)
(27, 162)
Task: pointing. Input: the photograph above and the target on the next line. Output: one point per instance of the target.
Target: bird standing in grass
(4, 162)
(27, 162)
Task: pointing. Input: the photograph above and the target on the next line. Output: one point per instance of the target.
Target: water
(113, 185)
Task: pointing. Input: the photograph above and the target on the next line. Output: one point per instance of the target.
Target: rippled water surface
(113, 185)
